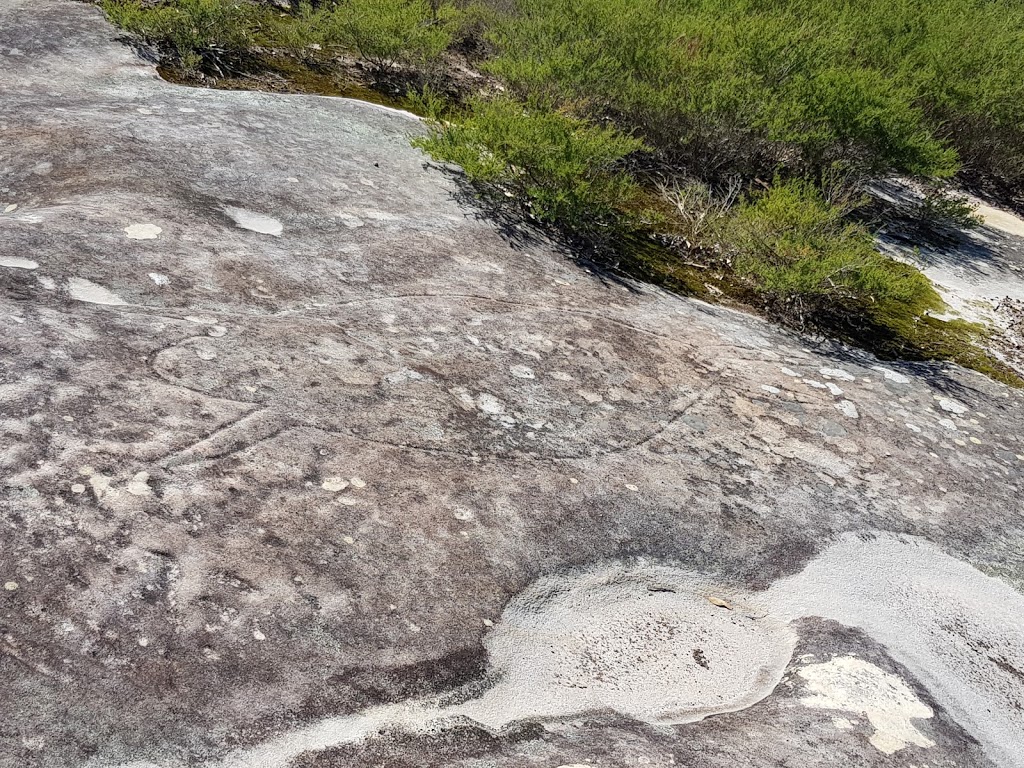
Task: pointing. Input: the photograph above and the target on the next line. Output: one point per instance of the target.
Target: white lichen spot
(837, 373)
(348, 540)
(81, 289)
(948, 424)
(357, 482)
(10, 586)
(139, 485)
(159, 279)
(255, 222)
(77, 488)
(790, 372)
(834, 388)
(952, 406)
(48, 283)
(631, 487)
(216, 331)
(975, 440)
(814, 384)
(142, 231)
(489, 404)
(591, 397)
(893, 376)
(913, 427)
(848, 409)
(842, 723)
(144, 641)
(334, 484)
(18, 263)
(521, 372)
(258, 636)
(11, 208)
(854, 685)
(560, 376)
(100, 485)
(770, 389)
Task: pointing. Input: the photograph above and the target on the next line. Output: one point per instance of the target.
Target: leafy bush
(803, 260)
(194, 32)
(564, 169)
(391, 33)
(744, 85)
(943, 207)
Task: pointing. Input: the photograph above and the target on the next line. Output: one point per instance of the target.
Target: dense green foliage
(803, 258)
(750, 84)
(201, 34)
(390, 33)
(568, 171)
(192, 31)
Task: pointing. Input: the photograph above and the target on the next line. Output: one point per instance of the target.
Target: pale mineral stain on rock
(255, 222)
(848, 409)
(81, 289)
(18, 262)
(837, 373)
(855, 685)
(952, 406)
(144, 231)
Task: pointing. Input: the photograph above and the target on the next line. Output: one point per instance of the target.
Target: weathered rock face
(285, 426)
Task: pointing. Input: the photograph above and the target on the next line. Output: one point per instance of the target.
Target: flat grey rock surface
(306, 462)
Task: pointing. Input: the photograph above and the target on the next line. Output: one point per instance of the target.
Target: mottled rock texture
(285, 423)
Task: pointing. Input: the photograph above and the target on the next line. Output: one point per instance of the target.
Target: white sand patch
(605, 640)
(1004, 221)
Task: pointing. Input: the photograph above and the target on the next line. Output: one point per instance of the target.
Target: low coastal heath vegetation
(728, 139)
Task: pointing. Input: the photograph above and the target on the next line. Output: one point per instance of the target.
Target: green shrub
(394, 33)
(746, 85)
(193, 32)
(940, 206)
(803, 260)
(563, 169)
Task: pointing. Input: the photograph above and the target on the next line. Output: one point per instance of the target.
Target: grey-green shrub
(803, 258)
(394, 33)
(564, 169)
